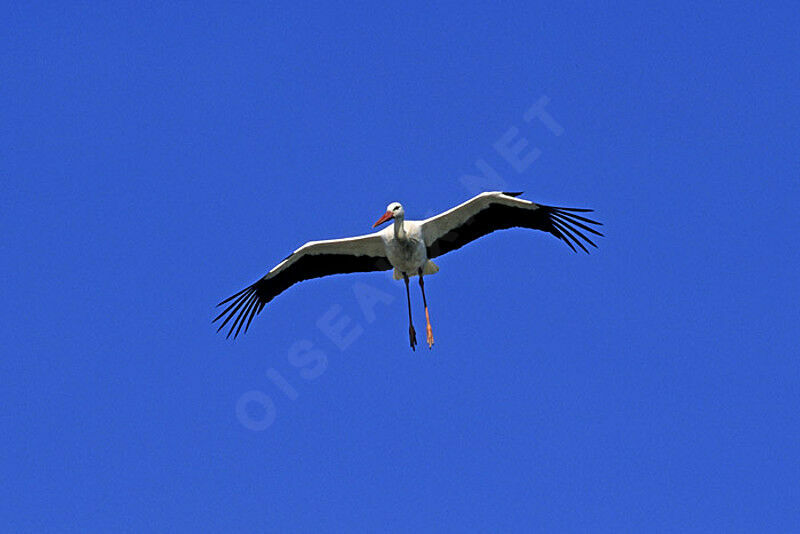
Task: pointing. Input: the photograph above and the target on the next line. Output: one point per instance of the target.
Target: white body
(405, 247)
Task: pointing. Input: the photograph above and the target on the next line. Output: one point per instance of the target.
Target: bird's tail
(428, 268)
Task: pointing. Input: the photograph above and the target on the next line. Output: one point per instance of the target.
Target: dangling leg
(412, 334)
(427, 317)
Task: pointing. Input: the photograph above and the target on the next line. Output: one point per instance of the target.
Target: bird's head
(393, 211)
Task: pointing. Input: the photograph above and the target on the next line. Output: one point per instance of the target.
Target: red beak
(386, 216)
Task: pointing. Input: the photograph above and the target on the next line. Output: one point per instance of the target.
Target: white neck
(399, 229)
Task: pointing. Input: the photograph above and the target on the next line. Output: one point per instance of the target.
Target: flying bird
(408, 247)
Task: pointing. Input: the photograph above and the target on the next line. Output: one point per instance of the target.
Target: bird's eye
(396, 208)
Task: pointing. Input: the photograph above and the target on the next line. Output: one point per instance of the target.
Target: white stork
(408, 247)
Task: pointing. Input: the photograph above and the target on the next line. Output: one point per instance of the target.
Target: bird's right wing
(313, 260)
(488, 212)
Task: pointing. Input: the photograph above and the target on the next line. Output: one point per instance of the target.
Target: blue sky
(156, 159)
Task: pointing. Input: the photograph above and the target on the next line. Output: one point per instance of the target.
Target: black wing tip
(241, 311)
(572, 221)
(513, 194)
(567, 226)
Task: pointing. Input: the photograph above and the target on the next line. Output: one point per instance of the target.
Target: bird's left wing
(492, 211)
(313, 260)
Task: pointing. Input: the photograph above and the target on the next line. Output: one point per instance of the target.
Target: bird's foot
(412, 336)
(429, 329)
